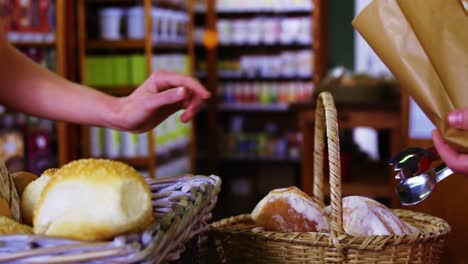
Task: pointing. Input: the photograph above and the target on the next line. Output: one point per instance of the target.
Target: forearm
(29, 88)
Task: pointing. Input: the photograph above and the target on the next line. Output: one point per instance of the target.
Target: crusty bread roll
(289, 210)
(94, 199)
(9, 226)
(8, 192)
(22, 179)
(366, 217)
(5, 208)
(32, 193)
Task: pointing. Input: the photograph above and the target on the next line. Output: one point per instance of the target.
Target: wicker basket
(239, 240)
(182, 206)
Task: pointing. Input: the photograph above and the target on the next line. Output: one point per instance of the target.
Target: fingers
(454, 160)
(167, 80)
(170, 101)
(191, 110)
(459, 118)
(167, 97)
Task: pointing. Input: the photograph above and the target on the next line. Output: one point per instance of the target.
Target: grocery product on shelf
(168, 25)
(264, 95)
(285, 64)
(270, 144)
(171, 135)
(29, 21)
(265, 30)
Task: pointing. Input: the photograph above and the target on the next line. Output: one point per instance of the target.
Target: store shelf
(139, 162)
(364, 189)
(280, 107)
(159, 3)
(275, 45)
(257, 12)
(257, 159)
(256, 78)
(29, 44)
(132, 45)
(115, 44)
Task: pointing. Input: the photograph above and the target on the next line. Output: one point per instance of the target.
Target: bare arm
(27, 87)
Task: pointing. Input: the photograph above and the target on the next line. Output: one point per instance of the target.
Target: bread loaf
(32, 193)
(94, 199)
(289, 210)
(22, 179)
(8, 192)
(5, 208)
(366, 217)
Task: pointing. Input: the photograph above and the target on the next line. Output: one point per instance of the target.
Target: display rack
(55, 40)
(210, 14)
(90, 43)
(256, 109)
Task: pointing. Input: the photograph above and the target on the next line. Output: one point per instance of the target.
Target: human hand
(455, 160)
(161, 95)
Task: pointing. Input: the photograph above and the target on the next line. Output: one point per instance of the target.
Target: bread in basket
(239, 240)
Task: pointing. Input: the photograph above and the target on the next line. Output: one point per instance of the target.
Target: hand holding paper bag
(456, 161)
(425, 45)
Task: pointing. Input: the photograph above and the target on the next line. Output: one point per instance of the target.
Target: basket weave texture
(182, 206)
(239, 240)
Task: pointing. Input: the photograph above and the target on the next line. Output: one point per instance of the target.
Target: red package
(23, 15)
(5, 14)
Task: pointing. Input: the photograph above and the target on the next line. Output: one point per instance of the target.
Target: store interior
(264, 62)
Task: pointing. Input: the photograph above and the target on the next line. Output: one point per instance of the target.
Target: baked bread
(94, 199)
(5, 208)
(9, 226)
(363, 216)
(22, 179)
(289, 210)
(8, 192)
(32, 193)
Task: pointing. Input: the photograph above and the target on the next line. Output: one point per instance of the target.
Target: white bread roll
(289, 210)
(366, 217)
(32, 193)
(94, 199)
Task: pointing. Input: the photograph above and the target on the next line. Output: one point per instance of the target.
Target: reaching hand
(455, 160)
(161, 95)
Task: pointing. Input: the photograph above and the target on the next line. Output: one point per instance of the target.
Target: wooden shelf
(158, 3)
(254, 12)
(26, 44)
(254, 159)
(130, 44)
(256, 78)
(115, 44)
(279, 107)
(371, 190)
(264, 47)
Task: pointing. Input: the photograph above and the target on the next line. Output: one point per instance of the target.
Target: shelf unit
(210, 16)
(251, 168)
(146, 46)
(59, 43)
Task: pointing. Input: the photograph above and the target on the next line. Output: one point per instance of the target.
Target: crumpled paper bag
(425, 44)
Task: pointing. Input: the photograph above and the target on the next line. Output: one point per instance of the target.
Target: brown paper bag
(425, 44)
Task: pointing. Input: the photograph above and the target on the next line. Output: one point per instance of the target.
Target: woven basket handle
(326, 117)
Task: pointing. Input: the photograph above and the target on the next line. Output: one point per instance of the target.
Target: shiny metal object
(415, 189)
(417, 180)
